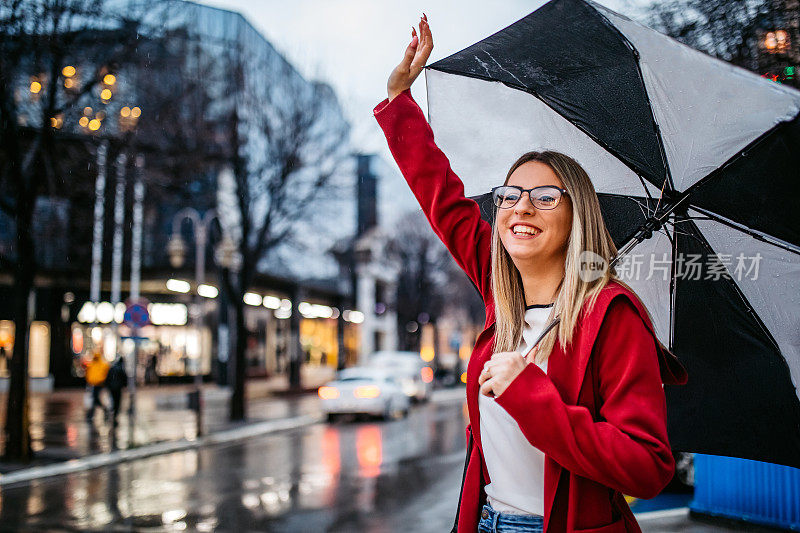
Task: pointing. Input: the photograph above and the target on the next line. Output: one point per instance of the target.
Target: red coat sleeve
(453, 217)
(628, 449)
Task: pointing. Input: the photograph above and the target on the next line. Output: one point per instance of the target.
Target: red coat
(588, 465)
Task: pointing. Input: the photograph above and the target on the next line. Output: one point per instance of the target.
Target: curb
(121, 456)
(664, 513)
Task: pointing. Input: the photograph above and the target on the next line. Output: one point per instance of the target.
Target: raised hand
(416, 55)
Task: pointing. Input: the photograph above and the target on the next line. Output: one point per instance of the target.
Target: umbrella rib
(645, 231)
(753, 233)
(660, 197)
(742, 153)
(662, 151)
(682, 232)
(549, 102)
(689, 219)
(706, 246)
(641, 208)
(646, 191)
(666, 233)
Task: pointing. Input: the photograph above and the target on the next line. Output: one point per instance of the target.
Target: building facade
(151, 139)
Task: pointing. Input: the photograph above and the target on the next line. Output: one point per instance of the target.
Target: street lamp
(176, 249)
(227, 255)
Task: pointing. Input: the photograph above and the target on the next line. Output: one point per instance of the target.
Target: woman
(559, 436)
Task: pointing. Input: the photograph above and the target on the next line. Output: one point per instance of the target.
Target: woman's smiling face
(551, 227)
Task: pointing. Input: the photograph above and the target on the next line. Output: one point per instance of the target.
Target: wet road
(59, 429)
(351, 476)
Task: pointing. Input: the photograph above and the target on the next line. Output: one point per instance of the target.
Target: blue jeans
(495, 522)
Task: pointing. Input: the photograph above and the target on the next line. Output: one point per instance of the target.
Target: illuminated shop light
(356, 317)
(178, 285)
(272, 302)
(427, 353)
(168, 314)
(251, 298)
(207, 291)
(119, 313)
(87, 313)
(104, 312)
(309, 310)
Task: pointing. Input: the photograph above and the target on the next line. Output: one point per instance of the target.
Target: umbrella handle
(544, 332)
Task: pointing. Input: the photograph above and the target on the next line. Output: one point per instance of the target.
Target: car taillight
(427, 374)
(367, 391)
(328, 393)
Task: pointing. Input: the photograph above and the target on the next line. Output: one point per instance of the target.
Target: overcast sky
(355, 44)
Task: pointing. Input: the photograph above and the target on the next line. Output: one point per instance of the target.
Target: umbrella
(695, 162)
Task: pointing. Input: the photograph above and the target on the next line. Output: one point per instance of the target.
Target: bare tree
(38, 40)
(429, 280)
(289, 146)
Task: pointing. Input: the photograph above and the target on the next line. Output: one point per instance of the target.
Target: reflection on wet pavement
(370, 476)
(59, 429)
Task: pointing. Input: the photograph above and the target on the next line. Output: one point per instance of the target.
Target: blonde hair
(588, 232)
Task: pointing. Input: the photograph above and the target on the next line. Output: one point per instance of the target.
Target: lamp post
(176, 248)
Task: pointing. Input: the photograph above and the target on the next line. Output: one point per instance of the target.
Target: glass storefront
(38, 348)
(163, 351)
(319, 341)
(171, 346)
(174, 347)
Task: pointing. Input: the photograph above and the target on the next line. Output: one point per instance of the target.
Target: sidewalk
(60, 431)
(683, 520)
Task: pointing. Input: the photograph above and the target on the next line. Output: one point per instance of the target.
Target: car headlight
(328, 393)
(367, 391)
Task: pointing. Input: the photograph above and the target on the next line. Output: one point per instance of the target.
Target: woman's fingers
(425, 47)
(414, 59)
(483, 376)
(487, 388)
(411, 49)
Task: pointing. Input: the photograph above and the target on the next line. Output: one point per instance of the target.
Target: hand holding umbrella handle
(416, 55)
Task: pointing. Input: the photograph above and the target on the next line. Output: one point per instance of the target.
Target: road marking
(132, 454)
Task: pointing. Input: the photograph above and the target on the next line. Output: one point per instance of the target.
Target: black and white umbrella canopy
(696, 165)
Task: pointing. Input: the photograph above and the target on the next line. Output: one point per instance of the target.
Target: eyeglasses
(543, 197)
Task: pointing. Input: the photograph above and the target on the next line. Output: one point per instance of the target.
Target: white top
(515, 466)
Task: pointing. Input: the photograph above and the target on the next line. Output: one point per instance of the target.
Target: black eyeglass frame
(529, 191)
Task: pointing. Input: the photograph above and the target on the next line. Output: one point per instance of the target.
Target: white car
(415, 375)
(364, 390)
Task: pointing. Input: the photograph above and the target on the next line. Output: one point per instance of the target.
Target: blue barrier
(751, 491)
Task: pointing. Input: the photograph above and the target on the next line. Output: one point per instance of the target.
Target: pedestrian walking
(151, 370)
(116, 380)
(559, 437)
(96, 372)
